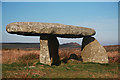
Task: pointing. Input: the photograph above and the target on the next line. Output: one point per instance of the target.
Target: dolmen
(92, 51)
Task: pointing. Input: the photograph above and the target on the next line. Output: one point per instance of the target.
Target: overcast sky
(101, 16)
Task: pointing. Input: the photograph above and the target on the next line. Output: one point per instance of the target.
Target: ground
(72, 69)
(21, 63)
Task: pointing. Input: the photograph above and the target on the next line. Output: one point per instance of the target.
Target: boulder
(92, 51)
(59, 30)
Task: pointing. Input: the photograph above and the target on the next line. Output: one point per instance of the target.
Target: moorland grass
(72, 69)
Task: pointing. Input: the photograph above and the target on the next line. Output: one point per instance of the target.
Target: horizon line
(39, 43)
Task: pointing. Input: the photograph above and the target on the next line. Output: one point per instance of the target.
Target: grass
(72, 69)
(28, 66)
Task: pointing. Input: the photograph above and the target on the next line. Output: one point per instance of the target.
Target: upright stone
(92, 51)
(49, 50)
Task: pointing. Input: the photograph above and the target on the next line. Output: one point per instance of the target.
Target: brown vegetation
(24, 63)
(113, 53)
(12, 55)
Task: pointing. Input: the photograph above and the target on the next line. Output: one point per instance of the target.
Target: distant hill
(70, 45)
(35, 45)
(20, 45)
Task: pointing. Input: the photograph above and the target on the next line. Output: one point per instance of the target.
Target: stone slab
(38, 29)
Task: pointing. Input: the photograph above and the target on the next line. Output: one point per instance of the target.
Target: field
(23, 62)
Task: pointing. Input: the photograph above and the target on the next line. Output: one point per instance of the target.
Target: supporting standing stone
(92, 51)
(49, 50)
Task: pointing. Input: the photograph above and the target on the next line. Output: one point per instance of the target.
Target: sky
(101, 16)
(60, 0)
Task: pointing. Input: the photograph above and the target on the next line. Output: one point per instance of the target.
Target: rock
(92, 51)
(49, 44)
(59, 30)
(49, 50)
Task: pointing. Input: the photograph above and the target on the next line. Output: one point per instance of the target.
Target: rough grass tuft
(29, 56)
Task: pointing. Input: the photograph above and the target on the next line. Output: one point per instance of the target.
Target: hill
(35, 45)
(70, 45)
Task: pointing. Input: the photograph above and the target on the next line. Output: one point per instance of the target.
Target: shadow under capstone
(86, 41)
(72, 56)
